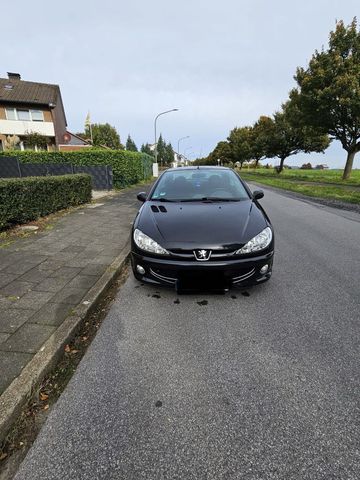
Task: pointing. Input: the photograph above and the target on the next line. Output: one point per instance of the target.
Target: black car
(202, 228)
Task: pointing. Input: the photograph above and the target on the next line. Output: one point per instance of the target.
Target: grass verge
(317, 176)
(316, 190)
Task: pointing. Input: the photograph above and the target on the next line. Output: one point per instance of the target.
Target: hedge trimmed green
(128, 167)
(25, 199)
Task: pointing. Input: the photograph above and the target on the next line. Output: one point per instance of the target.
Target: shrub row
(25, 199)
(128, 167)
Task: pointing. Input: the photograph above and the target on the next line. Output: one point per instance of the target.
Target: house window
(37, 115)
(23, 115)
(11, 114)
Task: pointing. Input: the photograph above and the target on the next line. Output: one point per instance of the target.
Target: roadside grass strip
(335, 192)
(322, 176)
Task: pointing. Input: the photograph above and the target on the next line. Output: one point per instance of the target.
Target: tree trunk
(349, 164)
(280, 168)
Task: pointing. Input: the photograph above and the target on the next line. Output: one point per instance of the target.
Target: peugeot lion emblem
(202, 255)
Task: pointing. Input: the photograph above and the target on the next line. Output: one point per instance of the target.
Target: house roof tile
(28, 92)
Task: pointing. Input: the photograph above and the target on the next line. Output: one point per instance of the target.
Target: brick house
(33, 107)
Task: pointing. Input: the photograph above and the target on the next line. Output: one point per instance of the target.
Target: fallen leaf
(43, 396)
(46, 407)
(3, 456)
(84, 339)
(74, 351)
(67, 349)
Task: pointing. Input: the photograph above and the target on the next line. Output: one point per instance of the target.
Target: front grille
(202, 277)
(215, 254)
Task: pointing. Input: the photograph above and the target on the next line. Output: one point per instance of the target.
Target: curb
(20, 390)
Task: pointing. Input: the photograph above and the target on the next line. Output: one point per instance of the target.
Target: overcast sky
(222, 63)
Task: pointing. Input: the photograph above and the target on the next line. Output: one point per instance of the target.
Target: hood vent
(158, 209)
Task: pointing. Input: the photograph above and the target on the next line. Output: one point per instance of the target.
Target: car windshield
(185, 185)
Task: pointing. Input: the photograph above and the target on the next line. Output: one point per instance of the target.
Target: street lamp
(180, 139)
(186, 149)
(185, 157)
(155, 168)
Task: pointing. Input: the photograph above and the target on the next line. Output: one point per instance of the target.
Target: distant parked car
(202, 228)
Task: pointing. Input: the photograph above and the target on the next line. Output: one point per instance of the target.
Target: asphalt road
(262, 385)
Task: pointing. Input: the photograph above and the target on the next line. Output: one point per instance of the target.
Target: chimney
(14, 76)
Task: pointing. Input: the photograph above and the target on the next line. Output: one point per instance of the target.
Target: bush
(25, 199)
(306, 166)
(128, 167)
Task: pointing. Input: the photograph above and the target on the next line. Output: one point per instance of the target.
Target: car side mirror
(142, 196)
(257, 194)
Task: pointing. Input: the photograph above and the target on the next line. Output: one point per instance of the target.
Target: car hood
(201, 224)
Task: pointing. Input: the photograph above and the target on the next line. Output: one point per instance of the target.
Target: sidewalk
(45, 276)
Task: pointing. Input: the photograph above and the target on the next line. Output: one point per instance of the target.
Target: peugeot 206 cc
(202, 228)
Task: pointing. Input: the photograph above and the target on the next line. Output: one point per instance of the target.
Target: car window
(193, 184)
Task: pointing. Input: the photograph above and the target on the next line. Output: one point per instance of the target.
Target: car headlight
(259, 242)
(148, 244)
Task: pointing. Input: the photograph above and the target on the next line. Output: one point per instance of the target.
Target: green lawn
(324, 176)
(313, 183)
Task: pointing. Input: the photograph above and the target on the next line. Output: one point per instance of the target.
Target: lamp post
(186, 159)
(180, 139)
(186, 149)
(155, 166)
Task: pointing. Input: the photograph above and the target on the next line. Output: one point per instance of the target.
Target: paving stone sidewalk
(44, 276)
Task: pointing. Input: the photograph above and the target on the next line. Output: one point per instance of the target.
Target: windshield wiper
(210, 199)
(220, 199)
(162, 199)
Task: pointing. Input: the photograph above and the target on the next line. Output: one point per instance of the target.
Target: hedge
(25, 199)
(128, 167)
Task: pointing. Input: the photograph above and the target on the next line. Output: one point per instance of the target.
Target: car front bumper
(188, 275)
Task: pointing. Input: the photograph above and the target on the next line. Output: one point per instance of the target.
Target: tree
(203, 161)
(261, 136)
(290, 136)
(328, 91)
(34, 139)
(130, 145)
(169, 154)
(240, 144)
(105, 135)
(160, 146)
(222, 152)
(146, 149)
(306, 166)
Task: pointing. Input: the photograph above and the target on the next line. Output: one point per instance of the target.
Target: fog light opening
(140, 269)
(264, 269)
